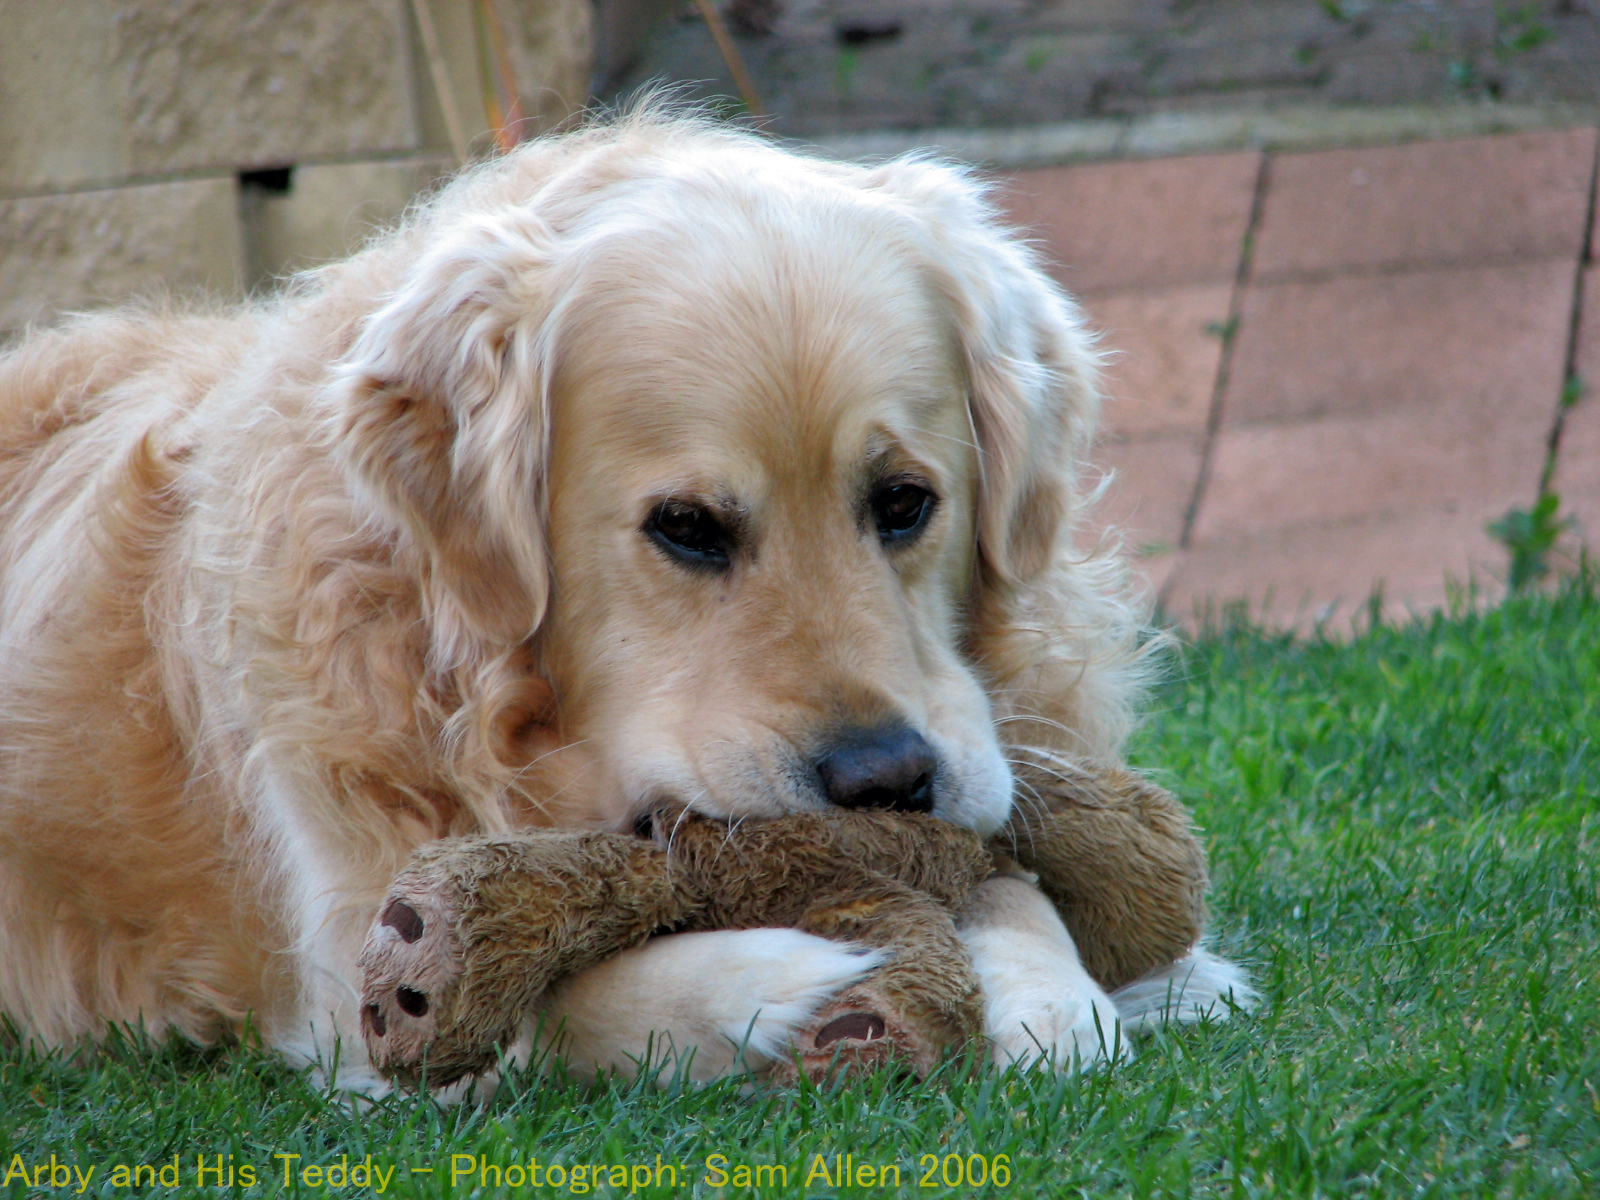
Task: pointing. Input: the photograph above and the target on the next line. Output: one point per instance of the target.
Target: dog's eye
(689, 533)
(901, 509)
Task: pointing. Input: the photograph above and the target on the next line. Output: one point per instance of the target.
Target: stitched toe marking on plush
(404, 920)
(411, 968)
(859, 1026)
(859, 1030)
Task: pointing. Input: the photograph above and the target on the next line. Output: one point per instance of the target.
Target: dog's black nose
(880, 768)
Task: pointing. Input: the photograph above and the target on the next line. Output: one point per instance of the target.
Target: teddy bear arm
(475, 929)
(926, 854)
(845, 878)
(766, 873)
(921, 1003)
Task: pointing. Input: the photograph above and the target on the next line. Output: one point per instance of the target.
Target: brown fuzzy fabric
(476, 929)
(886, 880)
(770, 873)
(1119, 858)
(927, 994)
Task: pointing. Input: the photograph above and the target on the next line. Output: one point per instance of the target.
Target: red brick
(1110, 226)
(1588, 358)
(1594, 229)
(1371, 344)
(1577, 478)
(1479, 200)
(1466, 456)
(1164, 347)
(1148, 496)
(1325, 573)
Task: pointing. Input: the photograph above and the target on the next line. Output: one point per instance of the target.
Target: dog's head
(741, 441)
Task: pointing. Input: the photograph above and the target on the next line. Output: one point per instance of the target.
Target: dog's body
(647, 462)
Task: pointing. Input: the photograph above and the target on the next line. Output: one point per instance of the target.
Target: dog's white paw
(1196, 987)
(1071, 1032)
(331, 1047)
(1041, 1005)
(705, 1004)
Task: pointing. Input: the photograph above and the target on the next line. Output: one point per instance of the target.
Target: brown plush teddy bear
(476, 929)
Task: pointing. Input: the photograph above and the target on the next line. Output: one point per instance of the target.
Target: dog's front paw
(1068, 1029)
(1040, 1005)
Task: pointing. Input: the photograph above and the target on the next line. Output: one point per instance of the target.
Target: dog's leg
(1039, 1002)
(706, 1004)
(325, 1032)
(328, 904)
(1196, 987)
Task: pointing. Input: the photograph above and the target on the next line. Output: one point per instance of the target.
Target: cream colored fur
(288, 590)
(769, 983)
(1040, 1003)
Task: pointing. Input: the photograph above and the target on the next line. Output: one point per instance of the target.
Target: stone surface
(1252, 48)
(1594, 228)
(91, 248)
(1285, 128)
(1587, 359)
(328, 211)
(1162, 349)
(548, 46)
(1160, 371)
(622, 28)
(551, 47)
(1136, 16)
(832, 66)
(100, 91)
(1519, 197)
(206, 85)
(1360, 402)
(1370, 344)
(60, 113)
(1110, 226)
(1025, 147)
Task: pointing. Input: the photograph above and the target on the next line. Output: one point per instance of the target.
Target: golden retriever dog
(648, 462)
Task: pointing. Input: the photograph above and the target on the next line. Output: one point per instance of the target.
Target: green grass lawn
(1405, 835)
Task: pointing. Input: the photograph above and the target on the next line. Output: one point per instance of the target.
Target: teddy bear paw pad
(855, 1026)
(410, 967)
(856, 1031)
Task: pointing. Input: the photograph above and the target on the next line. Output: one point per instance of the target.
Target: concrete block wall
(187, 146)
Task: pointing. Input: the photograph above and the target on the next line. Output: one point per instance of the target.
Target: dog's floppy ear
(443, 404)
(1032, 372)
